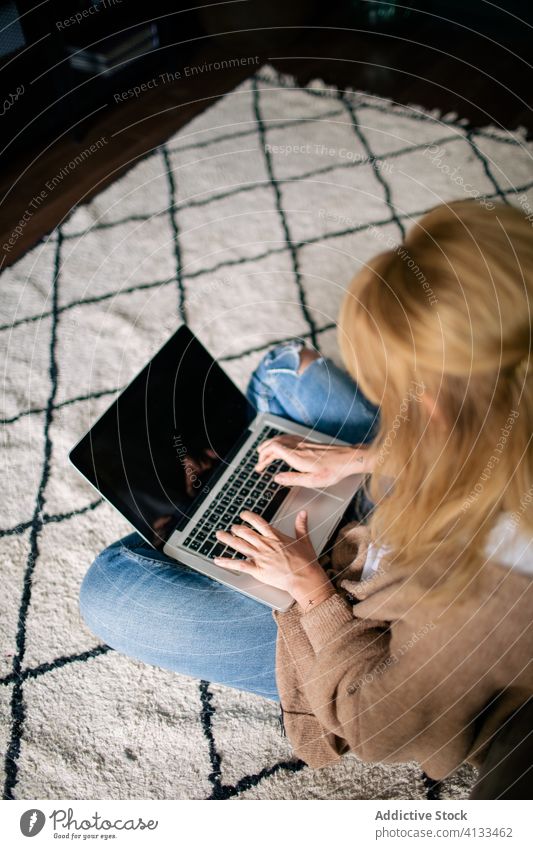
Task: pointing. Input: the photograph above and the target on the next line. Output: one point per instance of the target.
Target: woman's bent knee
(307, 355)
(279, 366)
(102, 591)
(92, 600)
(297, 383)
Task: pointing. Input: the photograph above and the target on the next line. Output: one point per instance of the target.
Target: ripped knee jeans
(322, 396)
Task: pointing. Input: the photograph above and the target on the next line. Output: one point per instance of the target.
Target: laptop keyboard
(244, 489)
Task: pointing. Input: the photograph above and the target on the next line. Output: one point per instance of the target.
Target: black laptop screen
(155, 452)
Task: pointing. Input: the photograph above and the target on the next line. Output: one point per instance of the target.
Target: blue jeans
(146, 605)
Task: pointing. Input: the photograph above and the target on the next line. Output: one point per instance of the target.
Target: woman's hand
(316, 464)
(277, 559)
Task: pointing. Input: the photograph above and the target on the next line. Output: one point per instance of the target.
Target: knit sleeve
(315, 742)
(370, 684)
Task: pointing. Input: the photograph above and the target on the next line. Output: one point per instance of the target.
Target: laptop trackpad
(323, 512)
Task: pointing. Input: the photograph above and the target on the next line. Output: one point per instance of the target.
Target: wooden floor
(130, 129)
(472, 77)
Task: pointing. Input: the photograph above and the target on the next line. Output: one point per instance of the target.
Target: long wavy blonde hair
(438, 333)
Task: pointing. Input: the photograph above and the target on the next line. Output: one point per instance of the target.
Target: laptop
(175, 455)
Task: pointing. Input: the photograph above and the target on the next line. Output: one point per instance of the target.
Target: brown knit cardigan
(383, 669)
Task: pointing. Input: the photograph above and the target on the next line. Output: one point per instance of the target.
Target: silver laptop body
(129, 456)
(325, 509)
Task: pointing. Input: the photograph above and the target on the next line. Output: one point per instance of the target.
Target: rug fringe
(270, 75)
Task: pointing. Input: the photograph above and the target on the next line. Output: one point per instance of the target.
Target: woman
(425, 657)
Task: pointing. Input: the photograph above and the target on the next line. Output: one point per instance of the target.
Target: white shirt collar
(510, 545)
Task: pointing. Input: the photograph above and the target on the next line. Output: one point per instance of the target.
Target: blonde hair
(445, 317)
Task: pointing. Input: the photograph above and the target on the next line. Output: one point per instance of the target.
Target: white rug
(251, 244)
